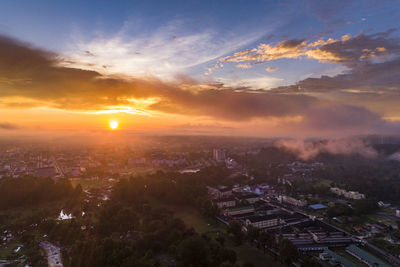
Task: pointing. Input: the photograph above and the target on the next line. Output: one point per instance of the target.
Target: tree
(309, 262)
(288, 252)
(194, 252)
(235, 228)
(252, 233)
(221, 239)
(266, 240)
(227, 255)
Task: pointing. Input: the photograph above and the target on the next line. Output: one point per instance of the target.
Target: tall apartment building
(219, 154)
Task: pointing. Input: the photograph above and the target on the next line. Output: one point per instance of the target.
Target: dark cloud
(292, 43)
(41, 77)
(373, 62)
(8, 126)
(361, 49)
(342, 117)
(235, 105)
(368, 77)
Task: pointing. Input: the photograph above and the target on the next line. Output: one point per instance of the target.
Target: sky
(246, 68)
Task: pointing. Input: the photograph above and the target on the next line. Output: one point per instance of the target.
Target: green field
(193, 218)
(90, 183)
(247, 253)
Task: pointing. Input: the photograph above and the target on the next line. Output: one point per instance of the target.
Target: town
(294, 200)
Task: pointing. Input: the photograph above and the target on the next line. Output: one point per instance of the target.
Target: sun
(113, 124)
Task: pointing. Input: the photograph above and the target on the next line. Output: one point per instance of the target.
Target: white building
(293, 201)
(347, 194)
(239, 210)
(263, 221)
(398, 213)
(225, 202)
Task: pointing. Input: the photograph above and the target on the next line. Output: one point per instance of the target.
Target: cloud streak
(167, 51)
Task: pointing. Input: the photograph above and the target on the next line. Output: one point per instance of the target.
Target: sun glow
(113, 124)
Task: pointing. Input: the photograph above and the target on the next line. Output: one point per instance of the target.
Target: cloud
(307, 150)
(271, 69)
(8, 126)
(350, 51)
(395, 156)
(234, 105)
(165, 52)
(41, 78)
(370, 76)
(244, 66)
(77, 89)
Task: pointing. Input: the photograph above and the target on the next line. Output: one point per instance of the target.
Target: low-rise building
(347, 194)
(263, 221)
(239, 210)
(335, 259)
(226, 202)
(247, 196)
(45, 172)
(365, 256)
(292, 201)
(397, 213)
(219, 192)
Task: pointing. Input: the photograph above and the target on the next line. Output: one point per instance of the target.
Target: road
(53, 254)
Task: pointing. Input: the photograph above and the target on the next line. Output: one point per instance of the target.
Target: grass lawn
(90, 183)
(247, 253)
(7, 251)
(191, 216)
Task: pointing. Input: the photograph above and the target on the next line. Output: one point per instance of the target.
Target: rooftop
(317, 206)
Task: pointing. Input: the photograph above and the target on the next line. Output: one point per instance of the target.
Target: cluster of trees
(288, 252)
(128, 231)
(32, 190)
(172, 188)
(359, 207)
(266, 165)
(377, 178)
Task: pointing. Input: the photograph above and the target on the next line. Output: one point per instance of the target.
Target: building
(45, 172)
(365, 256)
(347, 194)
(317, 207)
(219, 155)
(219, 192)
(335, 259)
(263, 221)
(249, 197)
(239, 210)
(292, 201)
(226, 202)
(383, 204)
(224, 191)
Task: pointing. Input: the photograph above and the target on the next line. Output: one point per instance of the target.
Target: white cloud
(271, 69)
(165, 52)
(263, 82)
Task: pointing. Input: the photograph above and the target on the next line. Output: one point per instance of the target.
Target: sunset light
(113, 124)
(199, 133)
